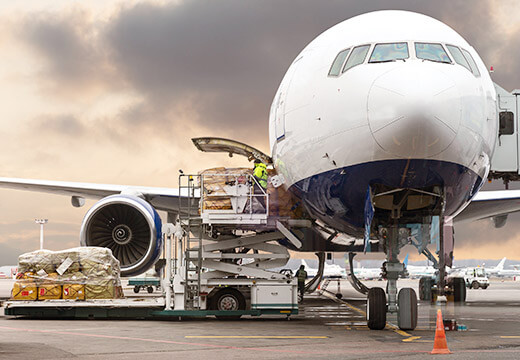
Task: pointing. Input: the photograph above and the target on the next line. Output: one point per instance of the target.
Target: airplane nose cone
(414, 110)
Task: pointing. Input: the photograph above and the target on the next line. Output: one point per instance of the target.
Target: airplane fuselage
(390, 97)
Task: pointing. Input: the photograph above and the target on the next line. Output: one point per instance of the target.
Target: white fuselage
(410, 122)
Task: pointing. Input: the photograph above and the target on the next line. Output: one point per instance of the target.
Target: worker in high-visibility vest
(260, 187)
(301, 274)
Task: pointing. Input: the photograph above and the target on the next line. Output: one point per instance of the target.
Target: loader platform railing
(232, 198)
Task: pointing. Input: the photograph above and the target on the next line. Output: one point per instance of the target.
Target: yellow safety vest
(260, 173)
(301, 275)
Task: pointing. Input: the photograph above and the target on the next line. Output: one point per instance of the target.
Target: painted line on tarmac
(216, 346)
(253, 337)
(229, 347)
(389, 326)
(510, 337)
(411, 338)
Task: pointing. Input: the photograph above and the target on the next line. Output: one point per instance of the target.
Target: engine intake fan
(127, 225)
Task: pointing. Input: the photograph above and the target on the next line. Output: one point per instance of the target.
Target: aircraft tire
(407, 309)
(459, 290)
(376, 309)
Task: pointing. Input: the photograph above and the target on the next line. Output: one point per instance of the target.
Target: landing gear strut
(396, 214)
(404, 303)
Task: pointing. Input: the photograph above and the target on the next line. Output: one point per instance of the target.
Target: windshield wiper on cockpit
(385, 61)
(436, 61)
(382, 61)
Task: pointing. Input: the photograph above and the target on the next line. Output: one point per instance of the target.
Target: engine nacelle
(499, 221)
(127, 225)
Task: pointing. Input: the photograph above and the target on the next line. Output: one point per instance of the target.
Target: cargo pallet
(127, 309)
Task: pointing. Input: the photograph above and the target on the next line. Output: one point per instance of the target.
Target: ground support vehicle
(145, 283)
(217, 263)
(476, 278)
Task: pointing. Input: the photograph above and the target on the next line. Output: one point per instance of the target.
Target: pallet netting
(81, 273)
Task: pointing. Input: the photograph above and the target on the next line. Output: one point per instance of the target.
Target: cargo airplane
(383, 125)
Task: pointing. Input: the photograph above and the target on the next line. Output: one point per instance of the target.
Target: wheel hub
(228, 303)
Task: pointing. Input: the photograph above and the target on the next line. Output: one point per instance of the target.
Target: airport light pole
(41, 222)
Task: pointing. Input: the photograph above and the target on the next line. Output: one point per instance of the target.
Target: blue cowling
(129, 226)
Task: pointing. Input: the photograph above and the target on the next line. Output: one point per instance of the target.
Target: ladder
(190, 220)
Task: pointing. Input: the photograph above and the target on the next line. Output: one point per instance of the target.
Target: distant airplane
(330, 271)
(498, 270)
(368, 273)
(418, 271)
(9, 271)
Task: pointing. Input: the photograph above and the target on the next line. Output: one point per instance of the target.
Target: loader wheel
(228, 299)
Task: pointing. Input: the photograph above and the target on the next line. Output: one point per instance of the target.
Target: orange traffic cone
(440, 346)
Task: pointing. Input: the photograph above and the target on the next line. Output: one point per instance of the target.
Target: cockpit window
(335, 69)
(458, 57)
(389, 52)
(431, 52)
(472, 63)
(357, 56)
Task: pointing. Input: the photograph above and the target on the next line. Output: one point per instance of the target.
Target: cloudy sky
(112, 92)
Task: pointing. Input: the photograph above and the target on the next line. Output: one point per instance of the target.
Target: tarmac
(325, 328)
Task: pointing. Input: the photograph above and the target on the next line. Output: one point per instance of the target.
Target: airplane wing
(487, 204)
(166, 199)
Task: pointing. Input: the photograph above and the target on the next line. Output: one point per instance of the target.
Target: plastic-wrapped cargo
(281, 201)
(79, 273)
(36, 261)
(215, 181)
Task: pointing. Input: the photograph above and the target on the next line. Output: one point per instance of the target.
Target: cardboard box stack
(75, 274)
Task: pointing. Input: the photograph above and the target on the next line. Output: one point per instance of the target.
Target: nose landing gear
(403, 304)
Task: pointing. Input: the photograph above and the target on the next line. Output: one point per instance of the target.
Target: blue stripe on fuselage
(337, 196)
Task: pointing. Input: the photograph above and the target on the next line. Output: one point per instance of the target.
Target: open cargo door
(209, 144)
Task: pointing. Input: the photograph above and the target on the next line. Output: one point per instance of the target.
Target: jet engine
(499, 221)
(127, 225)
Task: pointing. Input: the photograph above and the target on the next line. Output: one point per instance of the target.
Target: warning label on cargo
(64, 266)
(41, 273)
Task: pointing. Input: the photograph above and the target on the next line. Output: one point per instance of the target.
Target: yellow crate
(24, 290)
(49, 291)
(74, 291)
